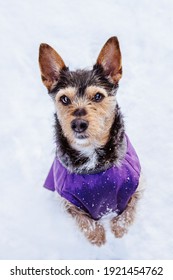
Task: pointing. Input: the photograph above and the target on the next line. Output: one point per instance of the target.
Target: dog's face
(85, 100)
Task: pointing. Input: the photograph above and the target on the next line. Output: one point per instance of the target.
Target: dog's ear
(110, 60)
(50, 65)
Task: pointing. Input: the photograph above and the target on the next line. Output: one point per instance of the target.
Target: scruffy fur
(89, 127)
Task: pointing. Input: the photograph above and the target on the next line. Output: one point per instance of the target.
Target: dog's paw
(96, 234)
(118, 227)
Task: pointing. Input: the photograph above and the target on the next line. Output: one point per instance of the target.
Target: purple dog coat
(101, 193)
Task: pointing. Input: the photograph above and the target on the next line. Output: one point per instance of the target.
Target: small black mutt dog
(96, 169)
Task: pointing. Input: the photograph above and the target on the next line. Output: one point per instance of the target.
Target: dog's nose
(79, 125)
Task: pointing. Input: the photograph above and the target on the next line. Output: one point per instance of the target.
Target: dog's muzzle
(79, 125)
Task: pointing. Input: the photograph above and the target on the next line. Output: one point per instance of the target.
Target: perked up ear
(110, 60)
(50, 65)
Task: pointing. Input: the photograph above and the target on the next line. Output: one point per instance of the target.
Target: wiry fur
(103, 143)
(93, 230)
(120, 223)
(81, 79)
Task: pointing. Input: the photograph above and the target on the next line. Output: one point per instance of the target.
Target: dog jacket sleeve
(101, 193)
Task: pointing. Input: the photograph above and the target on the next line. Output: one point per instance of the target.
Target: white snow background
(33, 224)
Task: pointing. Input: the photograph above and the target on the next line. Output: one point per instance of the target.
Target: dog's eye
(65, 100)
(98, 97)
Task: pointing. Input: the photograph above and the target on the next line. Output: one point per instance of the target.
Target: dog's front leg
(92, 229)
(120, 223)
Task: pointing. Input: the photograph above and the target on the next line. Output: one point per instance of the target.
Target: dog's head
(85, 100)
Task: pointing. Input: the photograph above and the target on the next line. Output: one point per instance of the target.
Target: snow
(33, 223)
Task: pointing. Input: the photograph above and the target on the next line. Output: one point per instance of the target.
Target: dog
(96, 169)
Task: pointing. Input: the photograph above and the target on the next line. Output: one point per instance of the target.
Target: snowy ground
(33, 224)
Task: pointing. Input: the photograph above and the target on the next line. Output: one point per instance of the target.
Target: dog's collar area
(100, 168)
(84, 168)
